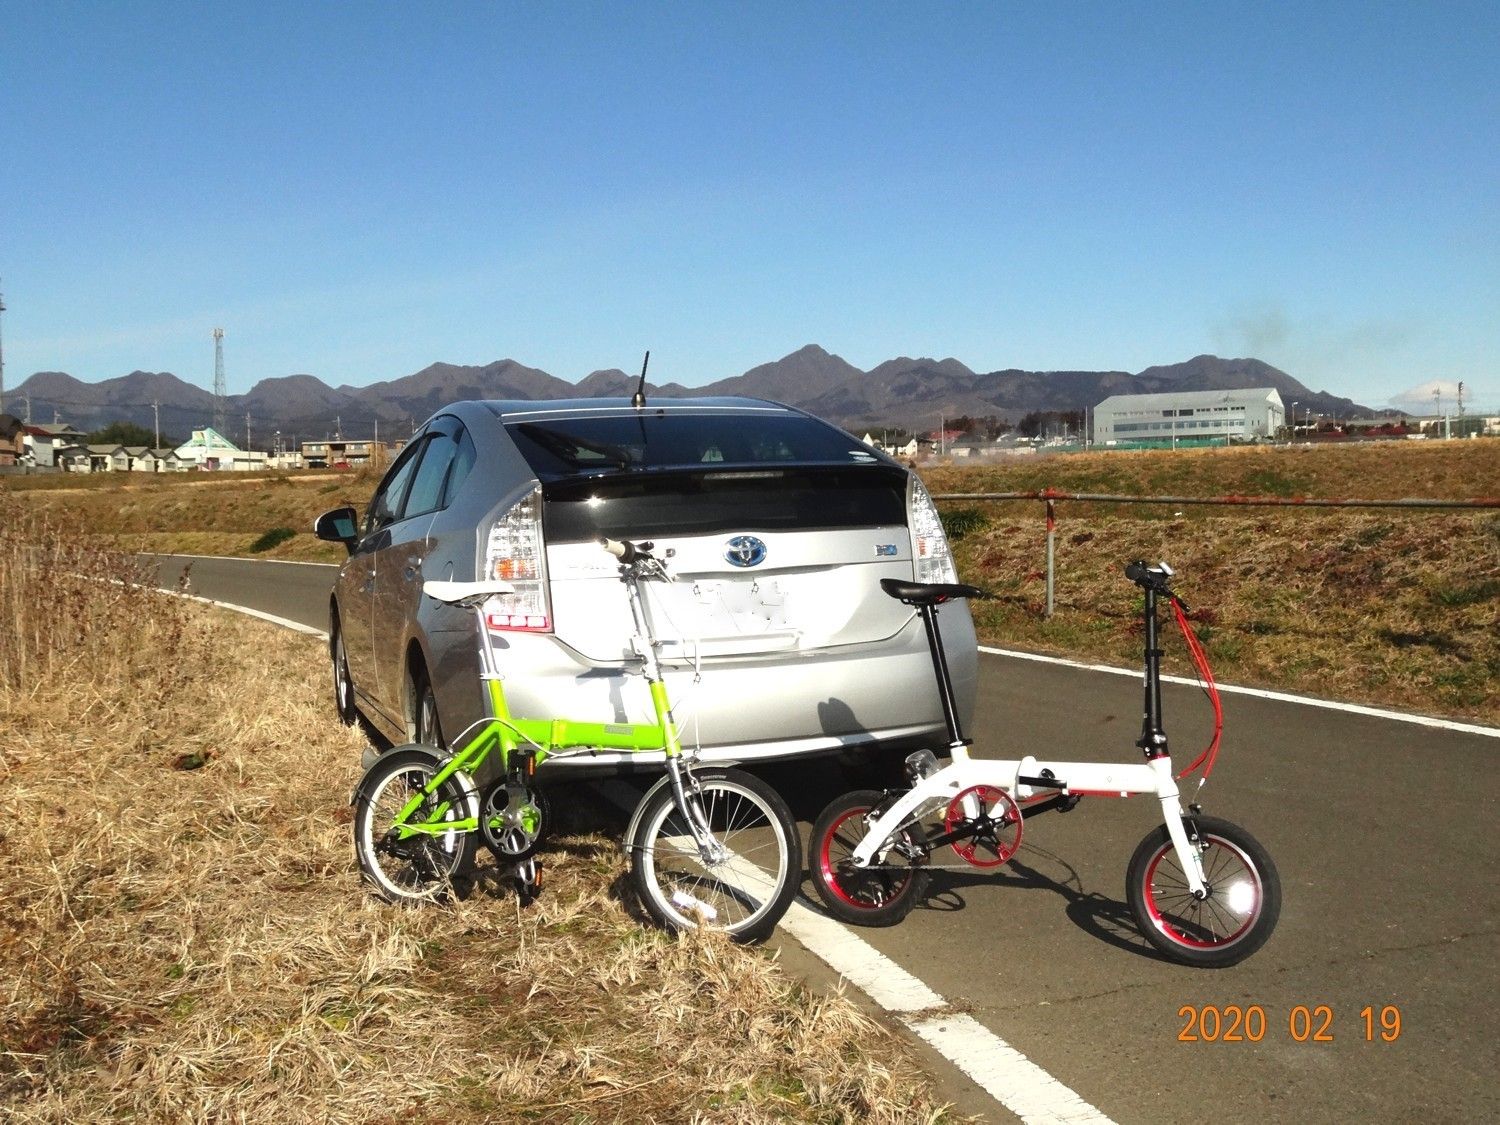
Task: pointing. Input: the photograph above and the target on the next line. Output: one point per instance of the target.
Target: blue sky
(357, 190)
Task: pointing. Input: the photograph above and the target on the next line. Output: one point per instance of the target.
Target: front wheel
(881, 894)
(1240, 911)
(343, 684)
(744, 890)
(426, 866)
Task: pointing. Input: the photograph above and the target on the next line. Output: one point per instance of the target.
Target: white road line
(1260, 693)
(234, 558)
(999, 1069)
(285, 623)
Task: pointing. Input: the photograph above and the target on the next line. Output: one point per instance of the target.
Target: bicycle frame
(1028, 780)
(524, 743)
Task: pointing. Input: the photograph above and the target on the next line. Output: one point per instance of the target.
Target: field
(1386, 606)
(1395, 607)
(185, 936)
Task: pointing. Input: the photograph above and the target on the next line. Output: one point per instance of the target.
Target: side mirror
(338, 526)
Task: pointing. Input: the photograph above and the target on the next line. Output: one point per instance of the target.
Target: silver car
(776, 636)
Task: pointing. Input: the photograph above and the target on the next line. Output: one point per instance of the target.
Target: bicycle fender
(635, 817)
(438, 758)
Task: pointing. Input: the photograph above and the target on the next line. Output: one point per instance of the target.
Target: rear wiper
(569, 446)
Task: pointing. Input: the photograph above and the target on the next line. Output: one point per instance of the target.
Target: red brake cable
(1210, 688)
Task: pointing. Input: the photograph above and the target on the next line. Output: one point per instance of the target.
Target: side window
(390, 497)
(427, 485)
(463, 460)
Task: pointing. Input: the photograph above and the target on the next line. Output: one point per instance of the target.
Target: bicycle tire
(421, 868)
(880, 895)
(1232, 923)
(743, 896)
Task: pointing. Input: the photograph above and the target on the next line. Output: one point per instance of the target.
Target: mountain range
(908, 393)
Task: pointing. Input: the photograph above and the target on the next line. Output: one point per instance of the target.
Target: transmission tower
(219, 379)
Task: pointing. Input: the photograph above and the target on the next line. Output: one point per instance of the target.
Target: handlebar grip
(624, 550)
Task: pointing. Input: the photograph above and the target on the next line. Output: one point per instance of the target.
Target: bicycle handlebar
(626, 551)
(1158, 577)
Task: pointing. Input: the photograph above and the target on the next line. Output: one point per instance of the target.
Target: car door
(399, 590)
(374, 567)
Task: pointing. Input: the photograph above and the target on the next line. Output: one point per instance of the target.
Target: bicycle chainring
(995, 819)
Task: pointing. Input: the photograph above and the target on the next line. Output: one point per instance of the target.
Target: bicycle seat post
(957, 747)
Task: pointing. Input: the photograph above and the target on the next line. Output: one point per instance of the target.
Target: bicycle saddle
(925, 593)
(465, 593)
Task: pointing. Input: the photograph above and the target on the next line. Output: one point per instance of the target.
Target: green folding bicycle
(709, 847)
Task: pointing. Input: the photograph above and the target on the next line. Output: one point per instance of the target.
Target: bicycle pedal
(527, 876)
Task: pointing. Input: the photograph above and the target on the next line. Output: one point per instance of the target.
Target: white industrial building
(1189, 417)
(209, 449)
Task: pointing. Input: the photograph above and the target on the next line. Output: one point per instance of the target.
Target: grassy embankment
(185, 937)
(1387, 606)
(1381, 606)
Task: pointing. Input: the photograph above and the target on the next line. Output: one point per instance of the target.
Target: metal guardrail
(1050, 496)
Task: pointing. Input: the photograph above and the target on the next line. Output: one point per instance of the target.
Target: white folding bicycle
(1202, 890)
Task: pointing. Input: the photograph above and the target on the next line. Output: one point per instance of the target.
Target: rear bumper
(729, 709)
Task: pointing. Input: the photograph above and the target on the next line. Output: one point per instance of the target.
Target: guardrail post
(1051, 551)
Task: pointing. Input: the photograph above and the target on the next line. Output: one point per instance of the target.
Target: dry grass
(198, 513)
(185, 936)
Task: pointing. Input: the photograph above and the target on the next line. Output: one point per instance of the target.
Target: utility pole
(156, 413)
(2, 367)
(219, 392)
(247, 431)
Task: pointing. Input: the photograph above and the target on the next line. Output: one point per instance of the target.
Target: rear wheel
(427, 729)
(343, 685)
(1235, 919)
(425, 866)
(883, 893)
(745, 891)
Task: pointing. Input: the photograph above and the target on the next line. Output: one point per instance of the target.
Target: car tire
(343, 683)
(426, 725)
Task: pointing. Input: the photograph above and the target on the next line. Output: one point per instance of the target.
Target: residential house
(93, 459)
(344, 453)
(12, 443)
(44, 439)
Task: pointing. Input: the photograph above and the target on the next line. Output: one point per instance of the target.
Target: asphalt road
(1384, 835)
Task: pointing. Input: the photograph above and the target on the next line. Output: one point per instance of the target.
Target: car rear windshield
(707, 501)
(650, 441)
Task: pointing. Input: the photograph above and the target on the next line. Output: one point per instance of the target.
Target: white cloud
(1436, 396)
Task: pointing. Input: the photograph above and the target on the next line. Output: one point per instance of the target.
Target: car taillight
(514, 552)
(929, 545)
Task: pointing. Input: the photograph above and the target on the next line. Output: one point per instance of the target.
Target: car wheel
(343, 685)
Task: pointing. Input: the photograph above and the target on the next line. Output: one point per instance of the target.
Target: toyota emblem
(745, 550)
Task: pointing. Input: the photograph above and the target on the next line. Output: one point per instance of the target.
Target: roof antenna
(638, 399)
